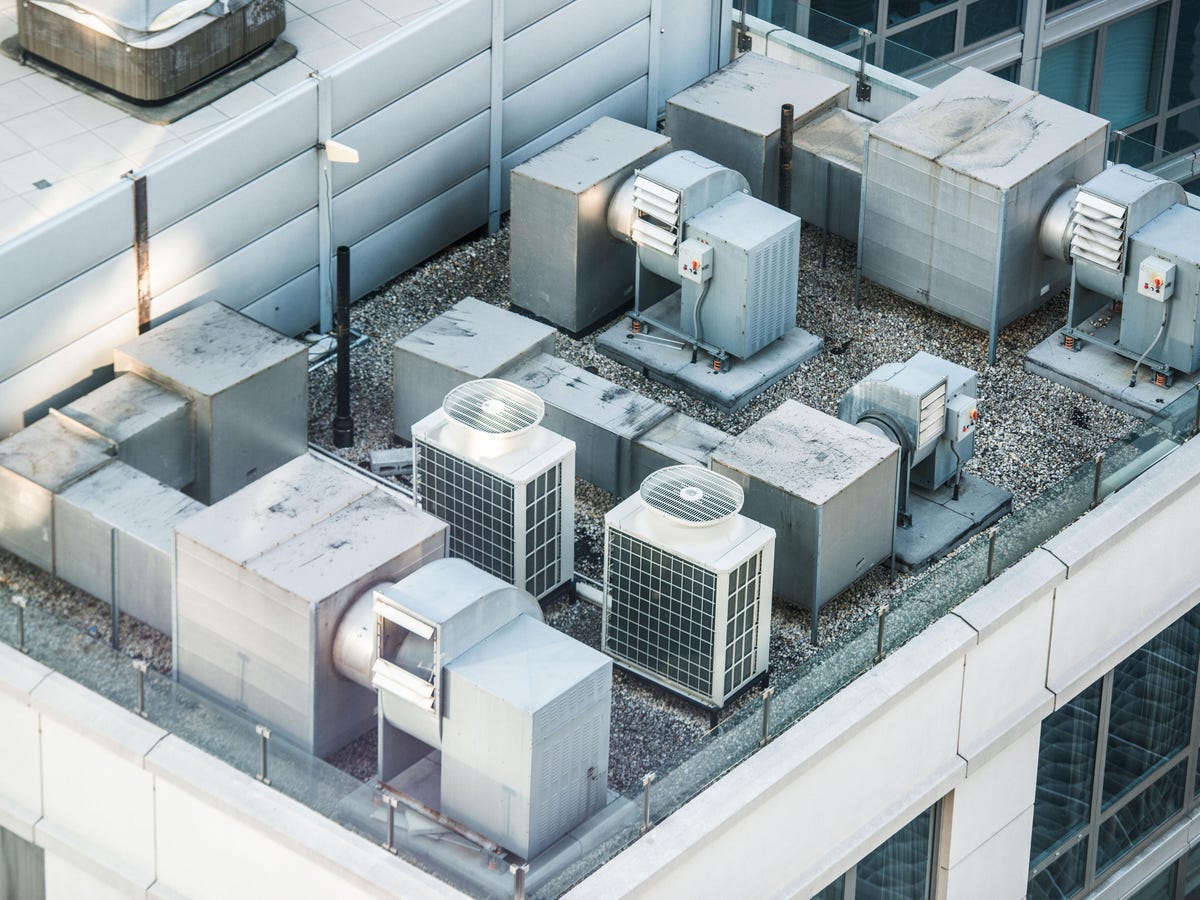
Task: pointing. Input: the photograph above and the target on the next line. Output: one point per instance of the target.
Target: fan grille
(494, 406)
(691, 495)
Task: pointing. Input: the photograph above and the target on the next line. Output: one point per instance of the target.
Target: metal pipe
(696, 321)
(1096, 480)
(994, 328)
(647, 780)
(957, 468)
(343, 422)
(862, 90)
(786, 122)
(766, 720)
(1162, 326)
(445, 821)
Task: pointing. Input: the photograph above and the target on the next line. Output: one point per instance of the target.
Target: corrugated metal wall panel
(70, 373)
(415, 120)
(412, 181)
(223, 160)
(59, 249)
(252, 272)
(520, 14)
(411, 57)
(222, 228)
(580, 83)
(570, 32)
(420, 234)
(291, 308)
(67, 313)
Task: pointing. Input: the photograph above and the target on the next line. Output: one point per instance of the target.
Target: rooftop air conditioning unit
(688, 583)
(505, 485)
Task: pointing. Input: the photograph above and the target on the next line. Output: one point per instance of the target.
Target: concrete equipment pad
(1097, 372)
(668, 359)
(940, 523)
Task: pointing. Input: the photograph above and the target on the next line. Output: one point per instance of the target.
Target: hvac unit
(504, 484)
(735, 258)
(927, 406)
(688, 585)
(1135, 246)
(520, 712)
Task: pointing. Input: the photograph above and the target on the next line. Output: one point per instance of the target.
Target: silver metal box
(566, 267)
(827, 164)
(150, 424)
(525, 736)
(827, 488)
(119, 517)
(602, 418)
(262, 579)
(676, 440)
(956, 185)
(35, 464)
(470, 340)
(248, 388)
(733, 117)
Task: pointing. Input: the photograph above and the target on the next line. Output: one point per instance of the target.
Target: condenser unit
(505, 485)
(688, 585)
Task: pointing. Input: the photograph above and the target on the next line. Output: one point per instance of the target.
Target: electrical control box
(695, 260)
(1156, 278)
(961, 415)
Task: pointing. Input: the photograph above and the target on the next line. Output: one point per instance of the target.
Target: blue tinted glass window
(1066, 72)
(1137, 819)
(1131, 78)
(1066, 768)
(1185, 73)
(917, 46)
(986, 18)
(1062, 878)
(899, 869)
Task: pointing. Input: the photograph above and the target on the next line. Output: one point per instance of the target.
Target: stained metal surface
(827, 488)
(828, 161)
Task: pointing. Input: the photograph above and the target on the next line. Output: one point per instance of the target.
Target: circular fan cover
(691, 495)
(494, 406)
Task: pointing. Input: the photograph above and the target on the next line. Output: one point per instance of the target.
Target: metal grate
(660, 612)
(741, 629)
(691, 495)
(543, 528)
(657, 225)
(477, 505)
(1098, 231)
(494, 406)
(770, 299)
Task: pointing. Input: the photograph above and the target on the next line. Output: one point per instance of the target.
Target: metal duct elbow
(621, 213)
(354, 641)
(1054, 232)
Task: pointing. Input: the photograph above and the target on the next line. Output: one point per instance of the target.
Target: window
(1131, 77)
(1116, 765)
(901, 867)
(22, 868)
(1067, 71)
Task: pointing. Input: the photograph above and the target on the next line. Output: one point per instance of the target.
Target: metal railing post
(141, 666)
(390, 844)
(264, 734)
(20, 602)
(1096, 480)
(883, 611)
(767, 694)
(518, 874)
(991, 554)
(647, 780)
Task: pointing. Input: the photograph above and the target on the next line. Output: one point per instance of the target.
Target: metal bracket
(862, 89)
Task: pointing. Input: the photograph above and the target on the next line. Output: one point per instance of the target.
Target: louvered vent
(1098, 231)
(657, 225)
(933, 416)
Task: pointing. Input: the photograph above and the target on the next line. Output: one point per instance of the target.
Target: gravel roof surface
(1032, 433)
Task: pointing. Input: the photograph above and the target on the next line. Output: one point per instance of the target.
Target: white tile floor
(58, 146)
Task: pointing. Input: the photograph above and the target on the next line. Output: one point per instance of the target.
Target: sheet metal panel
(415, 120)
(69, 312)
(564, 35)
(232, 222)
(374, 77)
(291, 308)
(228, 157)
(412, 181)
(584, 81)
(76, 239)
(519, 14)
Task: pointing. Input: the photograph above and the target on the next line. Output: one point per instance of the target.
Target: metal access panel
(525, 736)
(115, 529)
(35, 464)
(827, 488)
(751, 299)
(733, 116)
(247, 385)
(566, 268)
(602, 418)
(470, 340)
(676, 440)
(150, 424)
(1173, 236)
(827, 164)
(262, 579)
(956, 185)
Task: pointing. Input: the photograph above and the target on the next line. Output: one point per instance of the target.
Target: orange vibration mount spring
(716, 364)
(1069, 341)
(637, 326)
(1160, 380)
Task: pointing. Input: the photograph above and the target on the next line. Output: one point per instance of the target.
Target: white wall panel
(67, 881)
(998, 869)
(216, 231)
(413, 181)
(442, 39)
(291, 308)
(248, 274)
(520, 14)
(61, 248)
(557, 39)
(584, 81)
(67, 313)
(414, 120)
(232, 155)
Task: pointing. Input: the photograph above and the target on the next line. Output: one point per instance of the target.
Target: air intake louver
(933, 416)
(1098, 231)
(657, 225)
